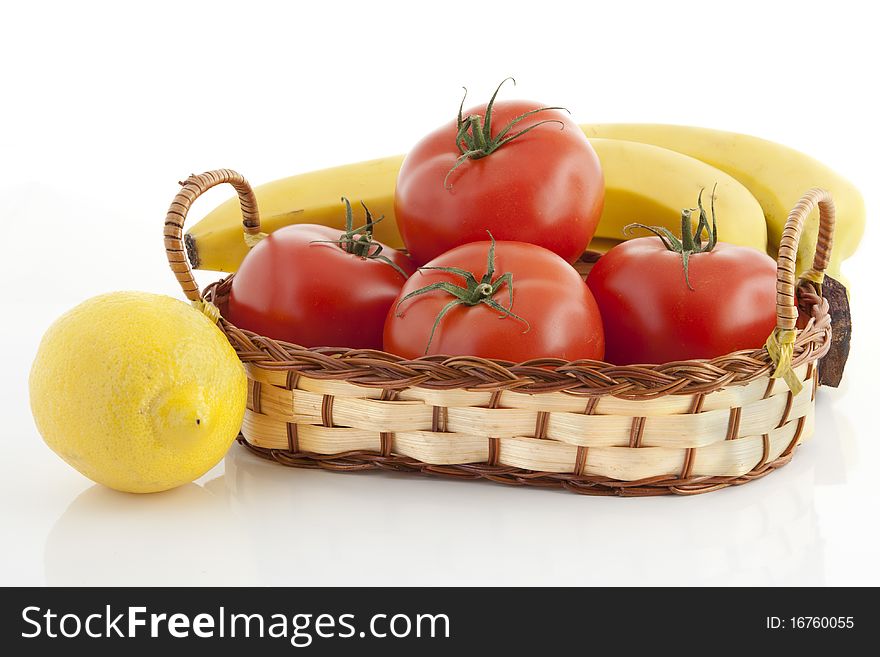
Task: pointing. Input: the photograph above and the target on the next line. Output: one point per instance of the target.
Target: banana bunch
(651, 173)
(776, 176)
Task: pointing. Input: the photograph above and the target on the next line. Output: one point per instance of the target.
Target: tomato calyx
(359, 241)
(689, 243)
(474, 138)
(475, 292)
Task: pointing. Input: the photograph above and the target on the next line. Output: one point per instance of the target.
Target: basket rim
(588, 378)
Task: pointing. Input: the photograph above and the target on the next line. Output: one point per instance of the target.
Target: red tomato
(652, 316)
(552, 314)
(544, 187)
(296, 287)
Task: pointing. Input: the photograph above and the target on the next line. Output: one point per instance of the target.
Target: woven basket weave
(589, 427)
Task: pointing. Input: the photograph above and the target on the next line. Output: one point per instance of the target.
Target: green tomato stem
(474, 292)
(473, 137)
(359, 241)
(687, 243)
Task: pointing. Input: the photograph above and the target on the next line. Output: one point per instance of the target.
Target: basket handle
(191, 189)
(780, 344)
(786, 284)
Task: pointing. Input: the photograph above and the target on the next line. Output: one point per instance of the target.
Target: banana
(776, 175)
(651, 185)
(602, 244)
(217, 243)
(643, 183)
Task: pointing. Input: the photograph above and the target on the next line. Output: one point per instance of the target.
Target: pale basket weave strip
(726, 458)
(681, 431)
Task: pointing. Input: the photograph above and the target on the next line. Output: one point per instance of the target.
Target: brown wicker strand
(765, 454)
(636, 432)
(292, 437)
(789, 400)
(327, 410)
(256, 396)
(688, 465)
(697, 405)
(580, 466)
(733, 423)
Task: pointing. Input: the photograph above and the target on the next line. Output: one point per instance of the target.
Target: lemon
(140, 392)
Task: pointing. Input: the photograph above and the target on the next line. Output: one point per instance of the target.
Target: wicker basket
(589, 427)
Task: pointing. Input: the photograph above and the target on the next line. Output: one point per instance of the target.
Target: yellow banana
(651, 185)
(643, 183)
(216, 242)
(602, 244)
(776, 175)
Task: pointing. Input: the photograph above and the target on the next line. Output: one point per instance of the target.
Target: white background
(103, 107)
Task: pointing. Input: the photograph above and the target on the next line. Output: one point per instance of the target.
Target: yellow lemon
(139, 392)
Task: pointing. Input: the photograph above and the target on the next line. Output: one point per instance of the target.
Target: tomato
(544, 186)
(460, 304)
(301, 285)
(654, 313)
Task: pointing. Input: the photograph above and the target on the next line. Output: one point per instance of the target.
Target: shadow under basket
(589, 427)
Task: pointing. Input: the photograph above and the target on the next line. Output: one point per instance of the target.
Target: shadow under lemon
(185, 536)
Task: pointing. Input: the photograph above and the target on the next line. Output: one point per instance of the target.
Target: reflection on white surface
(262, 523)
(834, 443)
(316, 527)
(183, 536)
